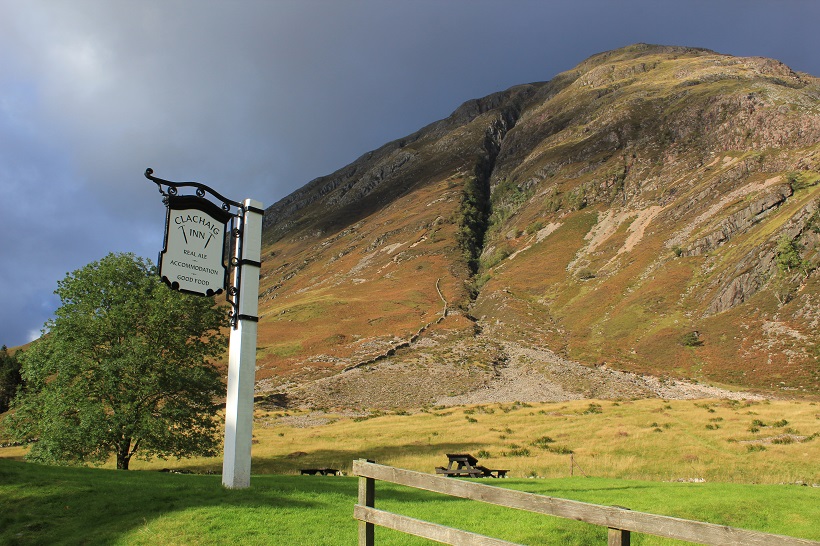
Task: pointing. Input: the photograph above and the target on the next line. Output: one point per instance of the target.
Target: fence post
(367, 497)
(618, 537)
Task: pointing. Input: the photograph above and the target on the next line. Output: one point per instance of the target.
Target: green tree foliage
(507, 198)
(791, 265)
(10, 378)
(122, 369)
(473, 221)
(788, 255)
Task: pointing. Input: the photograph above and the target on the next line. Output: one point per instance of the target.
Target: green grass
(633, 451)
(49, 505)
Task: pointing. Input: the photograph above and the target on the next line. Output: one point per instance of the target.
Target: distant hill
(647, 217)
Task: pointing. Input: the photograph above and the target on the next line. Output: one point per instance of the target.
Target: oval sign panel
(192, 260)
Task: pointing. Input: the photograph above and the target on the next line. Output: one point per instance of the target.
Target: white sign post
(236, 465)
(193, 261)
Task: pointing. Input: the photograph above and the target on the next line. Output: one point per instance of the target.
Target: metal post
(236, 465)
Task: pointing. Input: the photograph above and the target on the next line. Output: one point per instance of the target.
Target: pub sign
(193, 259)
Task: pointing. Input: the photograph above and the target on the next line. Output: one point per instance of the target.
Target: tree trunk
(124, 454)
(122, 462)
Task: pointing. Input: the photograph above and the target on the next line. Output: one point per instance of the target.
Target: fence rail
(620, 521)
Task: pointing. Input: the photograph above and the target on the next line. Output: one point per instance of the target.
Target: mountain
(645, 224)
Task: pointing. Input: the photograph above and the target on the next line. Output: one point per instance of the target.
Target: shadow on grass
(340, 458)
(54, 505)
(58, 505)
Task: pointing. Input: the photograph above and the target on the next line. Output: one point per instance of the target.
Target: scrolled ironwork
(201, 190)
(235, 209)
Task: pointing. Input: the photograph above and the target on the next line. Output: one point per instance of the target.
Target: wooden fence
(620, 521)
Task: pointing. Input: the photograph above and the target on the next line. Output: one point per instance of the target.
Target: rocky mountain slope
(645, 221)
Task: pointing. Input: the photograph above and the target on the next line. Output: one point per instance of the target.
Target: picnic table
(322, 471)
(466, 466)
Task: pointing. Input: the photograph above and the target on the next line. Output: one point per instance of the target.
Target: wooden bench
(465, 465)
(493, 472)
(321, 471)
(463, 473)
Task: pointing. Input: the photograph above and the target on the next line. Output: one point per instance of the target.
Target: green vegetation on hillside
(473, 214)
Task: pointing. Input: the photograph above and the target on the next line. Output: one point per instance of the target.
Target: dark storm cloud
(256, 98)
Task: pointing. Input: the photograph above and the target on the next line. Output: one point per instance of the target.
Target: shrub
(498, 256)
(594, 408)
(691, 339)
(788, 256)
(553, 201)
(577, 200)
(517, 452)
(542, 442)
(535, 227)
(586, 274)
(801, 180)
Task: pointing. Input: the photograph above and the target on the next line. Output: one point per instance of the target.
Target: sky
(257, 98)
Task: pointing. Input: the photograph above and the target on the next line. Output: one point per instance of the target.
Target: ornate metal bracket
(234, 269)
(201, 189)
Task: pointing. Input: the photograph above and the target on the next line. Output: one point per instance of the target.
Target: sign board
(193, 258)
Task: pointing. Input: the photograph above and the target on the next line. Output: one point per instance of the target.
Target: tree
(10, 378)
(121, 369)
(788, 255)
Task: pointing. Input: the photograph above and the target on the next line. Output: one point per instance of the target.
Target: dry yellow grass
(644, 439)
(647, 439)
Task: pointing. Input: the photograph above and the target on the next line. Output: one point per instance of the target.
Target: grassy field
(768, 442)
(733, 463)
(48, 505)
(678, 440)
